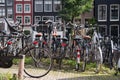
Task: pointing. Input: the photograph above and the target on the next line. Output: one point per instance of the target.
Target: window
(38, 6)
(114, 32)
(45, 18)
(103, 30)
(27, 8)
(37, 19)
(19, 8)
(48, 6)
(9, 2)
(19, 18)
(10, 13)
(57, 5)
(2, 12)
(114, 12)
(102, 13)
(27, 20)
(2, 1)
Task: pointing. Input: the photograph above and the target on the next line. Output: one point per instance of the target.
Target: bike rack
(21, 65)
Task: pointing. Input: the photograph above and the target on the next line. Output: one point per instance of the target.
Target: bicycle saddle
(65, 38)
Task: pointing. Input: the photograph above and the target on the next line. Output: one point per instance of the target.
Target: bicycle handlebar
(11, 27)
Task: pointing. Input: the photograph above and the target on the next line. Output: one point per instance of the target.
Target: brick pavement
(68, 75)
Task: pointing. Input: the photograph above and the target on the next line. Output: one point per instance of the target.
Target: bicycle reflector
(44, 42)
(78, 50)
(63, 44)
(9, 42)
(35, 42)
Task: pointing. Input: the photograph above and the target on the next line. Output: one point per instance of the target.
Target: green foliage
(28, 60)
(15, 61)
(6, 76)
(26, 32)
(92, 21)
(73, 8)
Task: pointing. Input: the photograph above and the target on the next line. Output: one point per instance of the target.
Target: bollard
(21, 68)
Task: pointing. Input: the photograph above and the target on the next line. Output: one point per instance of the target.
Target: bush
(6, 76)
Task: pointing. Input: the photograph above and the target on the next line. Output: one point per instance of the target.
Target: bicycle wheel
(99, 59)
(38, 62)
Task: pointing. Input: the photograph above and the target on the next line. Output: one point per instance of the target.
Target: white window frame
(8, 11)
(35, 18)
(47, 16)
(48, 2)
(21, 19)
(40, 2)
(29, 8)
(2, 12)
(2, 1)
(111, 12)
(105, 13)
(29, 22)
(21, 8)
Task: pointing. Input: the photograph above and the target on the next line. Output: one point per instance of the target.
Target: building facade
(23, 12)
(44, 10)
(107, 14)
(6, 8)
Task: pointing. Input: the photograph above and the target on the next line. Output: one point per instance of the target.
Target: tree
(73, 8)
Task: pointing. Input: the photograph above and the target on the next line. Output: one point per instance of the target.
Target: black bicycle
(38, 62)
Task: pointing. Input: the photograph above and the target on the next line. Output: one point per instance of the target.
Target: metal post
(21, 68)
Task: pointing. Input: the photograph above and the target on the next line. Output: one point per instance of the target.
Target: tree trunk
(83, 19)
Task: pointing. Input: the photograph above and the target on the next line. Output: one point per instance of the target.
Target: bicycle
(108, 51)
(63, 50)
(86, 53)
(97, 51)
(34, 67)
(77, 51)
(116, 60)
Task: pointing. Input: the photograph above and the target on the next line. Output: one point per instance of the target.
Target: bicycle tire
(99, 60)
(39, 65)
(84, 65)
